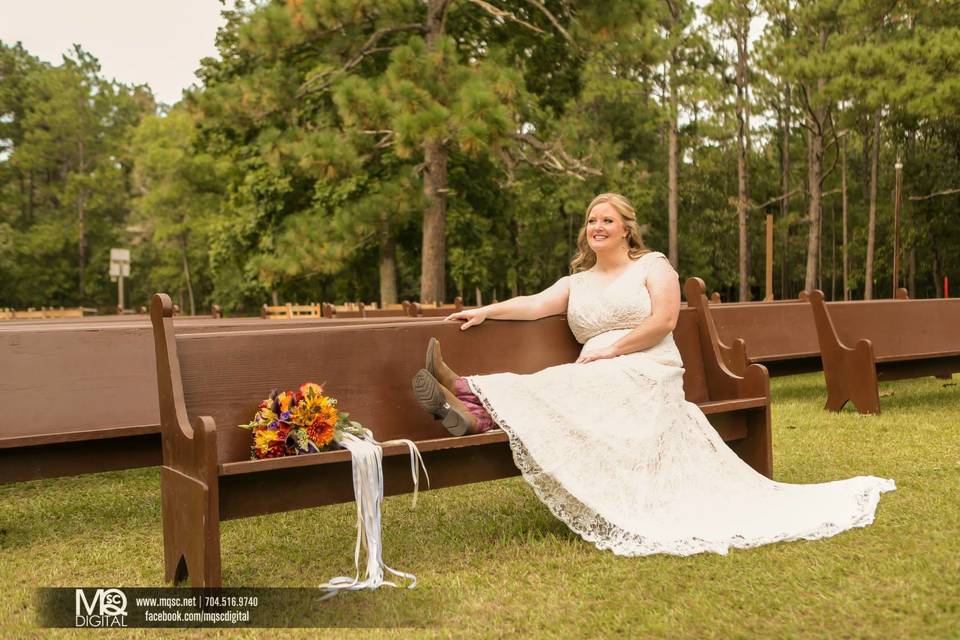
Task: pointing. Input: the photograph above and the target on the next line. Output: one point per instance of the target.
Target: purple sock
(462, 390)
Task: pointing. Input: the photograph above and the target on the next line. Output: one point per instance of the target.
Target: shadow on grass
(908, 396)
(78, 507)
(806, 387)
(905, 395)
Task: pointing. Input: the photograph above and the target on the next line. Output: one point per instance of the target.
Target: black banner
(120, 607)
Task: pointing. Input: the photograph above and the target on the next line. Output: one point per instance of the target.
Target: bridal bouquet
(295, 422)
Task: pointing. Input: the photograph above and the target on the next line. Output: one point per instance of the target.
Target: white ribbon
(367, 457)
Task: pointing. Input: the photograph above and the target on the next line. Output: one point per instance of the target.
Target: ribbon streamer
(367, 457)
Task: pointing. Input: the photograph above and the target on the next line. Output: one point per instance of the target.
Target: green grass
(492, 561)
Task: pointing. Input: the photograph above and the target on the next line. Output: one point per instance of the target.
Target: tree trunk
(912, 273)
(81, 225)
(872, 214)
(937, 282)
(186, 275)
(742, 133)
(435, 155)
(785, 186)
(432, 271)
(814, 169)
(820, 247)
(672, 169)
(833, 252)
(844, 202)
(388, 264)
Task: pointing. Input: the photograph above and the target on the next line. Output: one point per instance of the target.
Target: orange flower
(320, 432)
(311, 388)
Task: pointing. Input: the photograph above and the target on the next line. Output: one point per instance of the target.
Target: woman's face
(605, 228)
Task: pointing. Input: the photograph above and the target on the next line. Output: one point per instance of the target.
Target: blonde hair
(586, 257)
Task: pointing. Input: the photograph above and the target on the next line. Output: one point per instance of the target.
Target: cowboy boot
(437, 367)
(443, 405)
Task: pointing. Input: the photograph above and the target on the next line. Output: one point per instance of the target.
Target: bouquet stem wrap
(367, 455)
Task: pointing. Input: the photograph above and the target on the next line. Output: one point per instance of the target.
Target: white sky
(155, 42)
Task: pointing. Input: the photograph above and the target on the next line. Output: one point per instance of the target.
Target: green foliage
(298, 166)
(65, 177)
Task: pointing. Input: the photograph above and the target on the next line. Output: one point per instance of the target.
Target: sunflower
(267, 443)
(321, 432)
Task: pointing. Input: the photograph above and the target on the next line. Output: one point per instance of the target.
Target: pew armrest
(186, 447)
(724, 383)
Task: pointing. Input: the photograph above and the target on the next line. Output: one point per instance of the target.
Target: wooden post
(769, 282)
(898, 167)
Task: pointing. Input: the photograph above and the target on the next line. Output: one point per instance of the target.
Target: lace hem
(604, 535)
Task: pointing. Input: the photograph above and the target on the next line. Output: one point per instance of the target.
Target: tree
(732, 19)
(178, 192)
(68, 127)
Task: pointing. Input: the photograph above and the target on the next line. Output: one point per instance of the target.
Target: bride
(609, 442)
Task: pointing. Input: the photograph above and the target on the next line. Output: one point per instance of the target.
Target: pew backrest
(899, 328)
(368, 368)
(772, 331)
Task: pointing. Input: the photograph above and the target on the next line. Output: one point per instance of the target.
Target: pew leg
(862, 379)
(757, 448)
(191, 530)
(837, 397)
(834, 373)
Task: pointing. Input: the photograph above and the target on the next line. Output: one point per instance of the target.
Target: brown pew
(289, 311)
(81, 397)
(779, 335)
(43, 313)
(422, 310)
(892, 340)
(361, 310)
(210, 382)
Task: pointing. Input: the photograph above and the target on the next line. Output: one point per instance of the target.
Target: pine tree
(732, 19)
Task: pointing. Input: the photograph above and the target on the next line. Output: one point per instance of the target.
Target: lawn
(492, 561)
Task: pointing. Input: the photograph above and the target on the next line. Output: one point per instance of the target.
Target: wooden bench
(363, 310)
(891, 340)
(290, 311)
(210, 382)
(94, 390)
(423, 310)
(41, 314)
(779, 335)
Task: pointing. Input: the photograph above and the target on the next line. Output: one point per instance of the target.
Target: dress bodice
(599, 313)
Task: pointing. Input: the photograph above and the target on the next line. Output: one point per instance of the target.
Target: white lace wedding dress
(617, 453)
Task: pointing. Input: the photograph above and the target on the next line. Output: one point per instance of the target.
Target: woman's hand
(469, 317)
(599, 354)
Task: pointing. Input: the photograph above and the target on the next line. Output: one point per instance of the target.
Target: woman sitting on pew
(609, 442)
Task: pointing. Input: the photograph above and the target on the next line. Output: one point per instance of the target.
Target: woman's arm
(549, 302)
(664, 288)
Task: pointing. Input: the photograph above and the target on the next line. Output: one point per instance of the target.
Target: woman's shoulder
(658, 266)
(651, 256)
